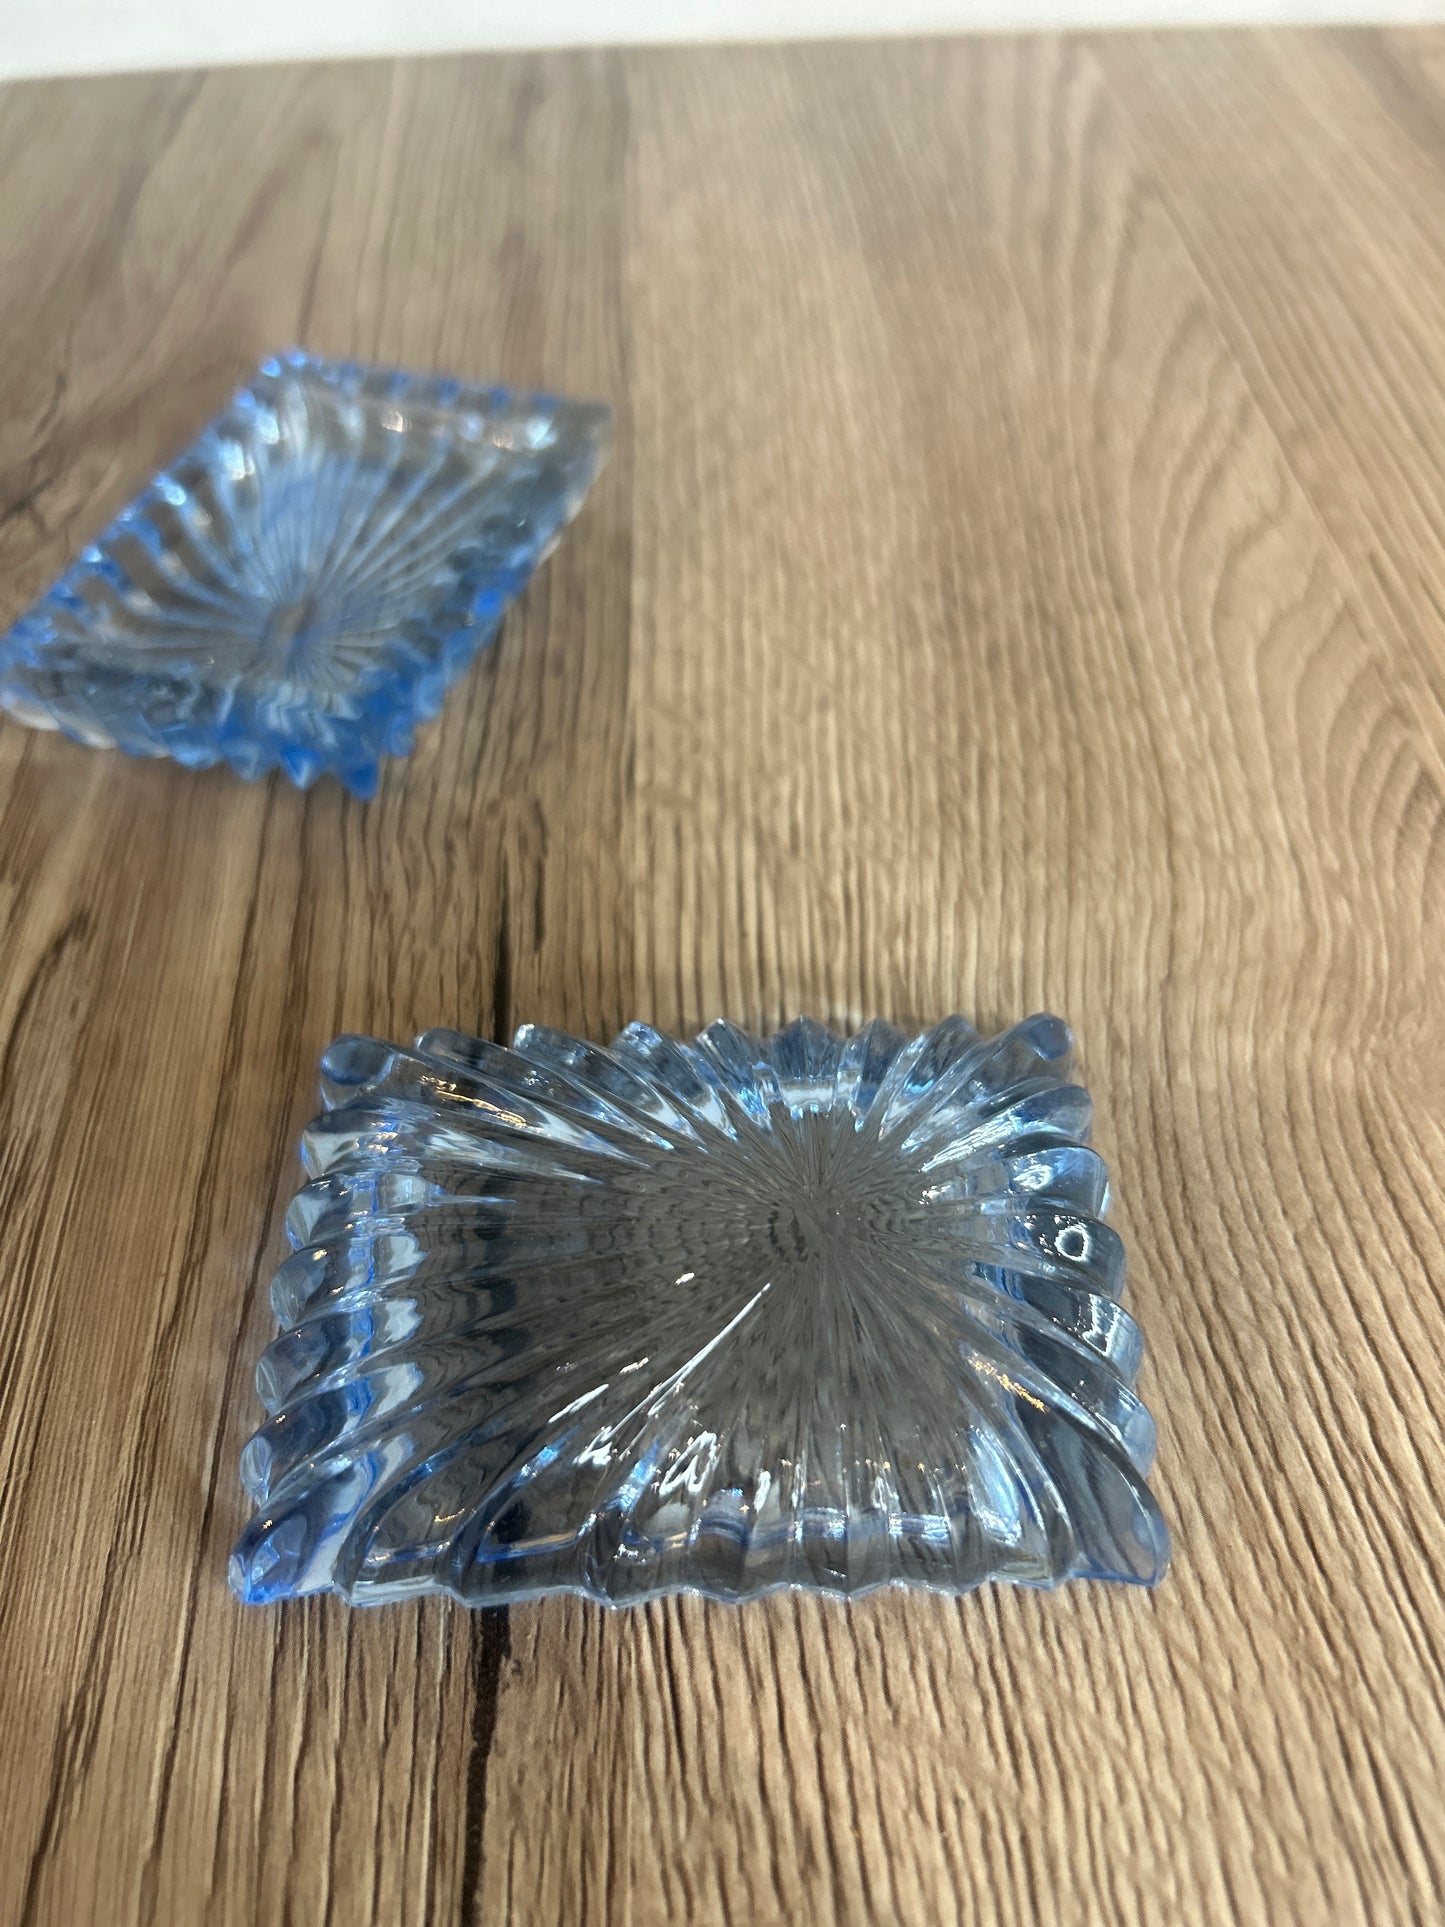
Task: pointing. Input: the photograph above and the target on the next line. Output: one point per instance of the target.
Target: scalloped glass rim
(818, 1311)
(303, 583)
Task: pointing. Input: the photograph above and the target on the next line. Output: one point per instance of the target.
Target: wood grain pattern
(1019, 584)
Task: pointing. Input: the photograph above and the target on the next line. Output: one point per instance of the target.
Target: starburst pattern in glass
(723, 1316)
(305, 582)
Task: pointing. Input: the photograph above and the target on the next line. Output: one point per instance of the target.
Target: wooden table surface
(1020, 583)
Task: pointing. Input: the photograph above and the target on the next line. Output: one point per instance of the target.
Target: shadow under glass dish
(723, 1316)
(304, 583)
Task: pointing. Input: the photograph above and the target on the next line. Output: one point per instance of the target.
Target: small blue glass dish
(302, 586)
(721, 1316)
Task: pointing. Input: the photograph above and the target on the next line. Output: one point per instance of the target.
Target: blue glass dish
(726, 1316)
(304, 583)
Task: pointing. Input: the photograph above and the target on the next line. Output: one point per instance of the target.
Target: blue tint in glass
(813, 1311)
(303, 584)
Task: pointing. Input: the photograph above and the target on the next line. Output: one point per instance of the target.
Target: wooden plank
(1306, 175)
(180, 950)
(1003, 664)
(967, 621)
